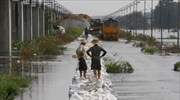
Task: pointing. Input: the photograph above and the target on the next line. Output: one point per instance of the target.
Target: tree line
(165, 15)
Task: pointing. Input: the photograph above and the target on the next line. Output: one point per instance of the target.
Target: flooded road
(153, 77)
(52, 79)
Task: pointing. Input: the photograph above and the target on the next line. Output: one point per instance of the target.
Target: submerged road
(153, 77)
(53, 83)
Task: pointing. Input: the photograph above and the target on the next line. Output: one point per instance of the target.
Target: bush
(173, 49)
(122, 34)
(177, 66)
(139, 44)
(10, 86)
(141, 37)
(149, 49)
(119, 67)
(147, 39)
(46, 45)
(126, 35)
(172, 37)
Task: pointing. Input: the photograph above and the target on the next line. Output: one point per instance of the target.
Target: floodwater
(153, 77)
(51, 78)
(157, 33)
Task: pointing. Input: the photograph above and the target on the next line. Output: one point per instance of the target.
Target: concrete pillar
(13, 20)
(48, 21)
(41, 21)
(5, 28)
(51, 21)
(28, 29)
(20, 21)
(47, 18)
(35, 21)
(17, 21)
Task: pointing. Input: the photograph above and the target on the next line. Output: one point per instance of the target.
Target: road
(53, 82)
(153, 77)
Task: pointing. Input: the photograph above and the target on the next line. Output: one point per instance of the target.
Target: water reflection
(35, 71)
(5, 65)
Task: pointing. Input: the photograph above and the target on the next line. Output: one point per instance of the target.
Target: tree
(132, 21)
(165, 14)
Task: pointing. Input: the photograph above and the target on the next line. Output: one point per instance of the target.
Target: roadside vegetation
(31, 50)
(177, 66)
(49, 45)
(172, 37)
(148, 44)
(149, 49)
(117, 66)
(11, 85)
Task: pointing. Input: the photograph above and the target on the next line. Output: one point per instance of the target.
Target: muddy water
(153, 77)
(51, 79)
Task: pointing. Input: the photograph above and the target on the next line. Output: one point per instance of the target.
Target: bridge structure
(24, 19)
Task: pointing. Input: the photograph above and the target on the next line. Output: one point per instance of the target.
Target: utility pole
(160, 19)
(124, 18)
(127, 20)
(178, 28)
(144, 26)
(136, 15)
(133, 12)
(130, 15)
(152, 16)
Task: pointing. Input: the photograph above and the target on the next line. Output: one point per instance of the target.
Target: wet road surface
(53, 82)
(153, 77)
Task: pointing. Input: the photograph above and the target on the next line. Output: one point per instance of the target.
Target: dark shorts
(96, 64)
(82, 64)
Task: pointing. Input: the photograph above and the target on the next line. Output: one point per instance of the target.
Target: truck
(110, 30)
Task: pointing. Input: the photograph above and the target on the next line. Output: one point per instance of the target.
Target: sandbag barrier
(91, 88)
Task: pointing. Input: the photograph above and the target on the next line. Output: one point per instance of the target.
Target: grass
(10, 86)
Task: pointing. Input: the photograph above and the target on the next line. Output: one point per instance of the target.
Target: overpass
(25, 19)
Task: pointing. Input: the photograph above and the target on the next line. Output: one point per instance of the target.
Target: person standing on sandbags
(95, 53)
(80, 51)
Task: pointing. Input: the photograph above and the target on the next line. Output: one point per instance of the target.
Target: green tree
(165, 14)
(132, 21)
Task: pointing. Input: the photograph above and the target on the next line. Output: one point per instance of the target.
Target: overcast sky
(102, 7)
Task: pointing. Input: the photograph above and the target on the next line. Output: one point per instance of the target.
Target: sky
(101, 7)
